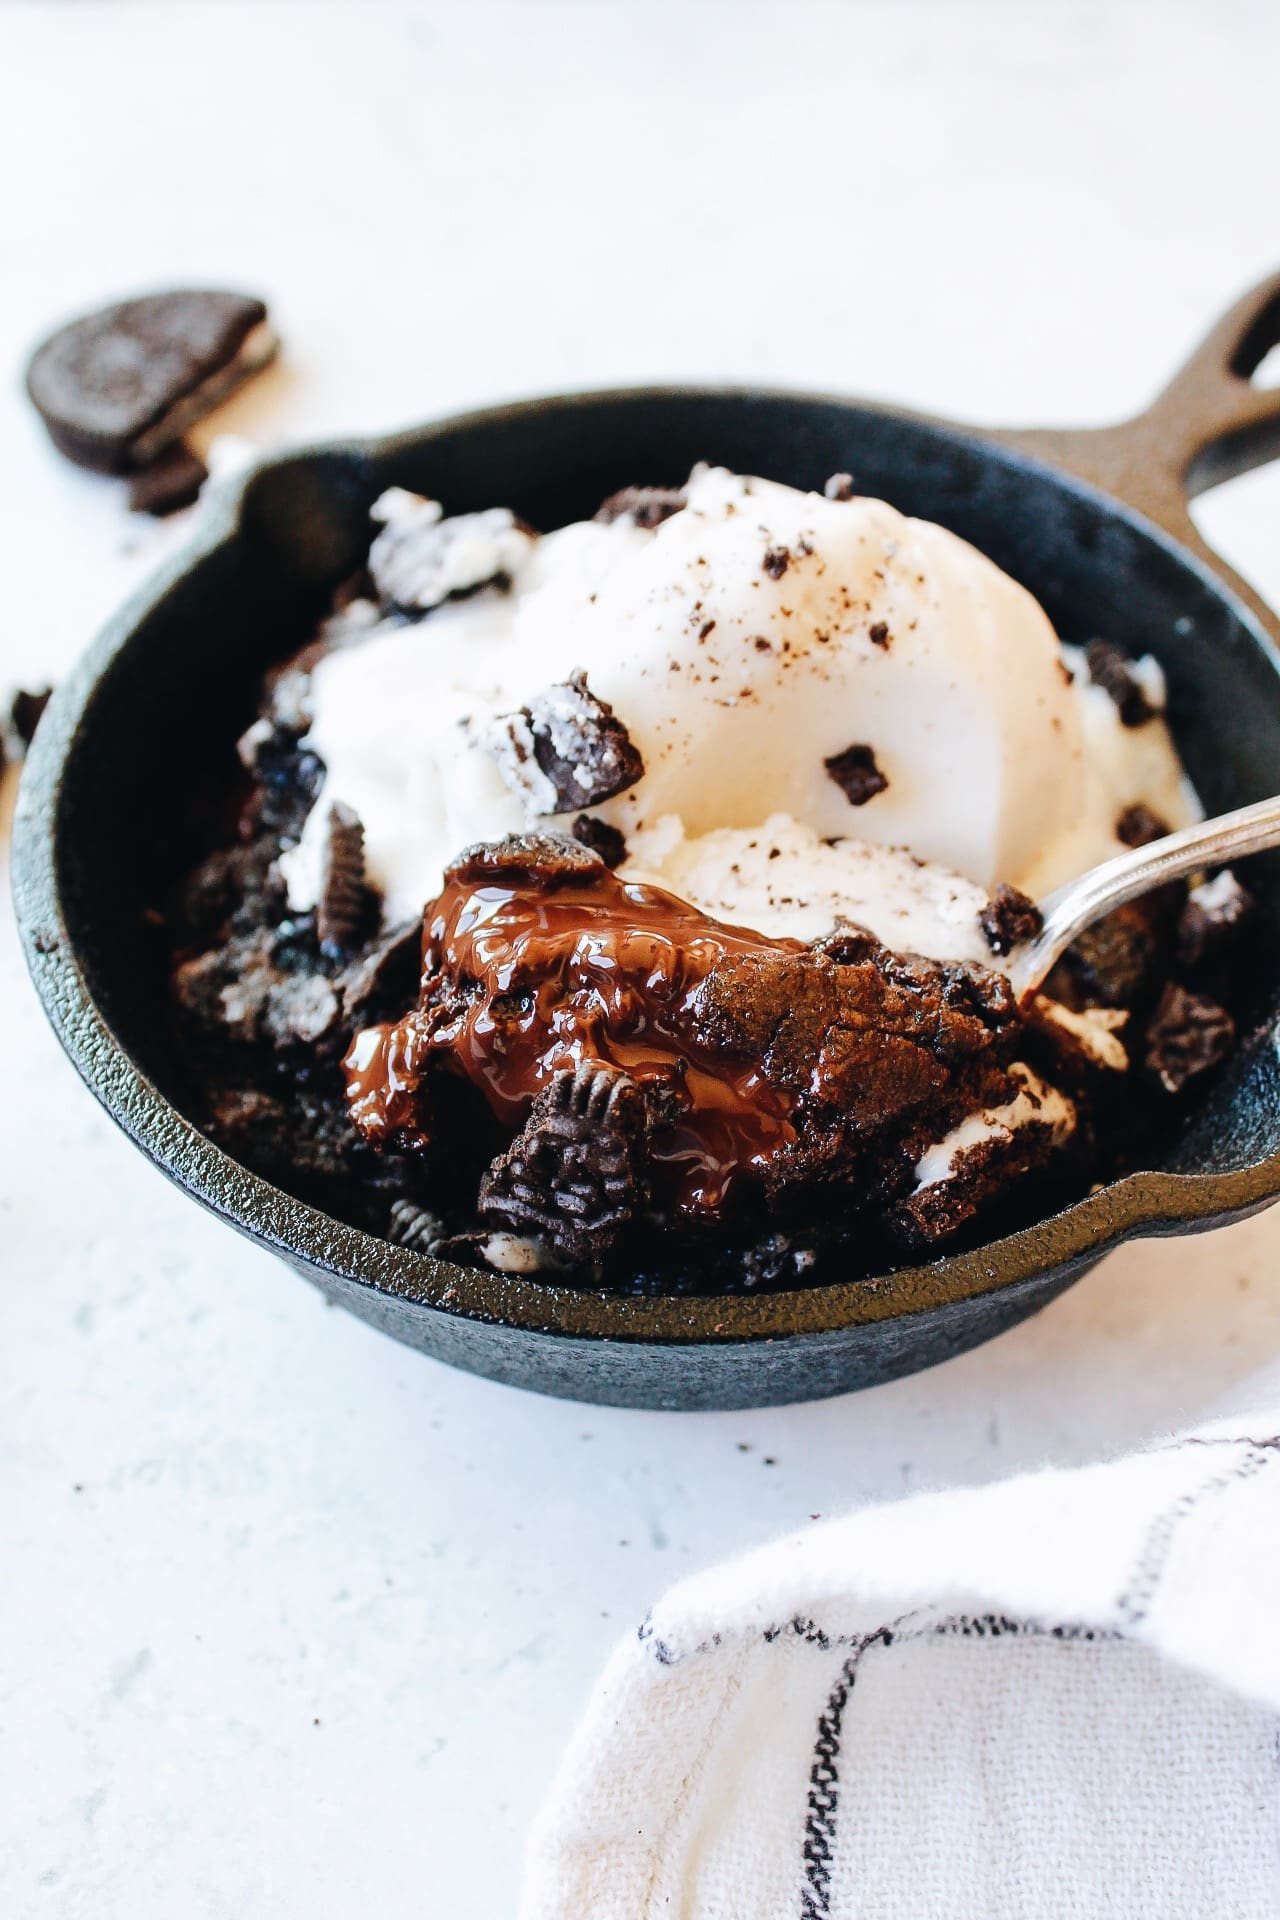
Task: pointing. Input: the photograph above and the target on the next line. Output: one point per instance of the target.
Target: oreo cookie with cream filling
(566, 749)
(117, 387)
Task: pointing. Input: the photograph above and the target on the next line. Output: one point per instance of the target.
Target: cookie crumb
(565, 749)
(1212, 916)
(856, 774)
(1109, 669)
(415, 1228)
(648, 507)
(27, 711)
(601, 838)
(1009, 917)
(171, 482)
(342, 895)
(1138, 826)
(1187, 1035)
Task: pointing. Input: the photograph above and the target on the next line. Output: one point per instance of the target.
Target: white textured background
(292, 1622)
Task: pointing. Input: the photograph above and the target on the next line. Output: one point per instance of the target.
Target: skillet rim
(1140, 1205)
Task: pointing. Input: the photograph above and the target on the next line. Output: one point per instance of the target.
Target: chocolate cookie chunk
(601, 838)
(117, 387)
(1188, 1035)
(1109, 670)
(420, 559)
(1138, 826)
(543, 860)
(243, 994)
(647, 506)
(383, 982)
(416, 1227)
(856, 774)
(565, 749)
(1009, 918)
(171, 482)
(27, 712)
(574, 1176)
(1212, 917)
(341, 907)
(1113, 960)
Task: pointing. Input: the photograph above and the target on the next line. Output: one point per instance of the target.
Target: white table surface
(294, 1622)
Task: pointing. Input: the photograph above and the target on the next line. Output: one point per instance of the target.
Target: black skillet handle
(1208, 425)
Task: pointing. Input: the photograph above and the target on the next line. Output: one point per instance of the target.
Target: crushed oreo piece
(299, 1010)
(1113, 959)
(565, 749)
(856, 774)
(117, 387)
(233, 884)
(383, 982)
(171, 482)
(545, 860)
(1187, 1035)
(1109, 669)
(341, 907)
(305, 1141)
(573, 1176)
(244, 993)
(601, 838)
(26, 713)
(779, 1260)
(1138, 826)
(936, 1211)
(647, 506)
(879, 636)
(776, 561)
(840, 487)
(1009, 917)
(1212, 916)
(416, 1228)
(420, 559)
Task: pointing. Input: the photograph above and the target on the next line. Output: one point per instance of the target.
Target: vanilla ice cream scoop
(850, 676)
(764, 632)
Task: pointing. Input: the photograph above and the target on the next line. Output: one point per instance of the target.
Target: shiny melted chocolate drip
(525, 976)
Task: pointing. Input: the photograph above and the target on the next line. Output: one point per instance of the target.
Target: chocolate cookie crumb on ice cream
(420, 559)
(643, 506)
(856, 774)
(1009, 918)
(565, 749)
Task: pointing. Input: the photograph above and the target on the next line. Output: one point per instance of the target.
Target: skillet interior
(183, 685)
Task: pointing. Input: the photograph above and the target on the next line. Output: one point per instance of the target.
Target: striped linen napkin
(1058, 1696)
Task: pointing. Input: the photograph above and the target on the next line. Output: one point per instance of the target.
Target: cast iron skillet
(1095, 524)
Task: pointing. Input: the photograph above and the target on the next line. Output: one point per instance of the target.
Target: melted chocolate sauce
(522, 980)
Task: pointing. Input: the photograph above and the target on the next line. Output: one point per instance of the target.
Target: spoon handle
(1076, 906)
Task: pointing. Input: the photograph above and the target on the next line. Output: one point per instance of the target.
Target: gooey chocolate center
(529, 971)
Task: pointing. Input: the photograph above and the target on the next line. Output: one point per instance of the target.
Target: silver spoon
(1072, 908)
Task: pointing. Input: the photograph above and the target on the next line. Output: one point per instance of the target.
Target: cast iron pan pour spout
(1208, 425)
